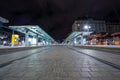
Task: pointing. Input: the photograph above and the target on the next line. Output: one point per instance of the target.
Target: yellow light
(14, 37)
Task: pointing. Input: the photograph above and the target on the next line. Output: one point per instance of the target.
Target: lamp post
(87, 27)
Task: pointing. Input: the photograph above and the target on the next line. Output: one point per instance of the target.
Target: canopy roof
(33, 30)
(77, 34)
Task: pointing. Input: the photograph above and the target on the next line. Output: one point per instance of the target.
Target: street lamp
(87, 27)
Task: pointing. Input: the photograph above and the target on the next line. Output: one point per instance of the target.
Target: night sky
(57, 16)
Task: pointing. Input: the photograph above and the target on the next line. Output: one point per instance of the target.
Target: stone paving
(110, 57)
(58, 63)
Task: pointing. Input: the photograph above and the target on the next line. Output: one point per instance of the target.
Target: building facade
(95, 26)
(105, 33)
(113, 27)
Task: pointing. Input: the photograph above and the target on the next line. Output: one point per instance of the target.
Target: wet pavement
(54, 63)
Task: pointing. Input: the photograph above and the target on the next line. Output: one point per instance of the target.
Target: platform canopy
(3, 20)
(77, 34)
(32, 30)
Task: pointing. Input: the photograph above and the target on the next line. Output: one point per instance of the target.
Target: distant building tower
(95, 25)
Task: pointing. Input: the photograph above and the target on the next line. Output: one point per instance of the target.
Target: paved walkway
(55, 63)
(4, 47)
(106, 46)
(107, 56)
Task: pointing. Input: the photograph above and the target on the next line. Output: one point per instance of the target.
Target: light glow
(87, 27)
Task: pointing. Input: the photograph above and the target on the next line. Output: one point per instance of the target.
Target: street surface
(57, 63)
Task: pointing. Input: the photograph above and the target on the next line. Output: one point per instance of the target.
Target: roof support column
(37, 40)
(12, 38)
(82, 40)
(27, 44)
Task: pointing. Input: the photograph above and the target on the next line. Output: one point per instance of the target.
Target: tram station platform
(9, 49)
(107, 48)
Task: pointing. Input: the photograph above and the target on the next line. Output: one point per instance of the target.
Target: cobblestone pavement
(57, 63)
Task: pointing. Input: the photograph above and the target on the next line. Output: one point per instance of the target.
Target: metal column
(12, 39)
(26, 38)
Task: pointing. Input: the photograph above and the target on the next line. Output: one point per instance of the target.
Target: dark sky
(57, 16)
